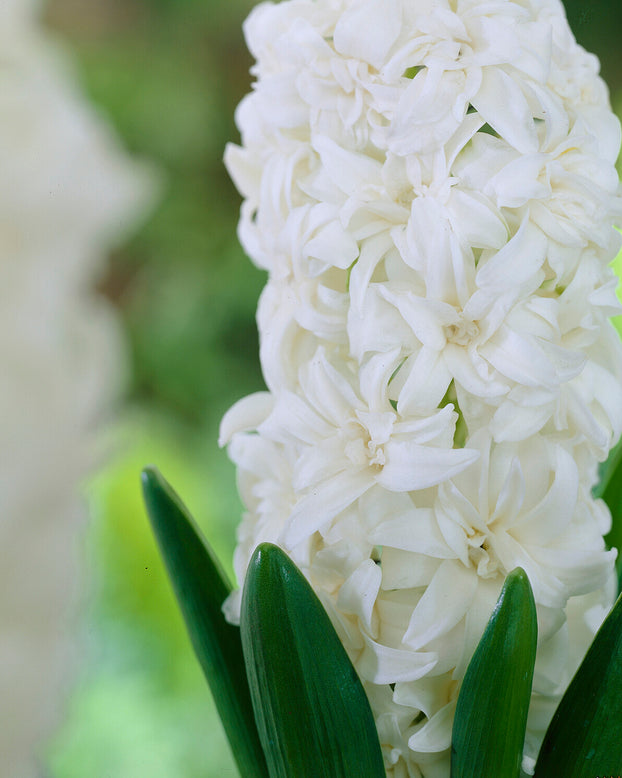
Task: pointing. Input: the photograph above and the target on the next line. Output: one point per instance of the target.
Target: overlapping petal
(431, 187)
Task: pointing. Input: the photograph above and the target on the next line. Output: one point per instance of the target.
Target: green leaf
(584, 738)
(313, 715)
(491, 714)
(201, 588)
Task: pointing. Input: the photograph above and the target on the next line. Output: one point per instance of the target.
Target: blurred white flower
(431, 188)
(67, 192)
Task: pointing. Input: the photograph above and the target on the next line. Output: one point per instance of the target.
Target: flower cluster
(65, 193)
(430, 185)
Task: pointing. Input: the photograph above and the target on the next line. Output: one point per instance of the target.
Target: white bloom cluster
(66, 190)
(430, 185)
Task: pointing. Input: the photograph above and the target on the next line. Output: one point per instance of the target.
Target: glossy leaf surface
(312, 713)
(491, 714)
(584, 738)
(201, 588)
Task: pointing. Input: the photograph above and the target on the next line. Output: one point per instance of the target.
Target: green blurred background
(168, 74)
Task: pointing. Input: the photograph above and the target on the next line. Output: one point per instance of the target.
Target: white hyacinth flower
(431, 188)
(67, 192)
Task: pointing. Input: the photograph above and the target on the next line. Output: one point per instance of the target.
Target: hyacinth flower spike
(431, 189)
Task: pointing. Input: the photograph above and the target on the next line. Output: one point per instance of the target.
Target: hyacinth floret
(430, 185)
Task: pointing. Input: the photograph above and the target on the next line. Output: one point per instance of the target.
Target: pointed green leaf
(491, 714)
(584, 738)
(313, 715)
(201, 588)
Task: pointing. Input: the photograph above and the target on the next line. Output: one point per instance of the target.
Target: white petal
(410, 466)
(327, 390)
(513, 421)
(426, 384)
(475, 220)
(581, 571)
(405, 570)
(517, 262)
(454, 534)
(503, 105)
(435, 735)
(414, 531)
(243, 169)
(443, 605)
(436, 427)
(358, 593)
(367, 30)
(247, 414)
(511, 496)
(461, 365)
(317, 463)
(425, 317)
(294, 418)
(332, 246)
(519, 358)
(374, 378)
(348, 170)
(568, 363)
(324, 502)
(548, 590)
(428, 239)
(430, 110)
(424, 695)
(382, 664)
(373, 251)
(519, 181)
(378, 326)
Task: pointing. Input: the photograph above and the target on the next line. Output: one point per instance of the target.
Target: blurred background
(168, 75)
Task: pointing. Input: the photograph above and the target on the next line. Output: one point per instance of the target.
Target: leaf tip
(518, 575)
(266, 554)
(150, 478)
(164, 507)
(156, 489)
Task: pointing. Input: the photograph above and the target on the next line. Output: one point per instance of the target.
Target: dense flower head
(430, 185)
